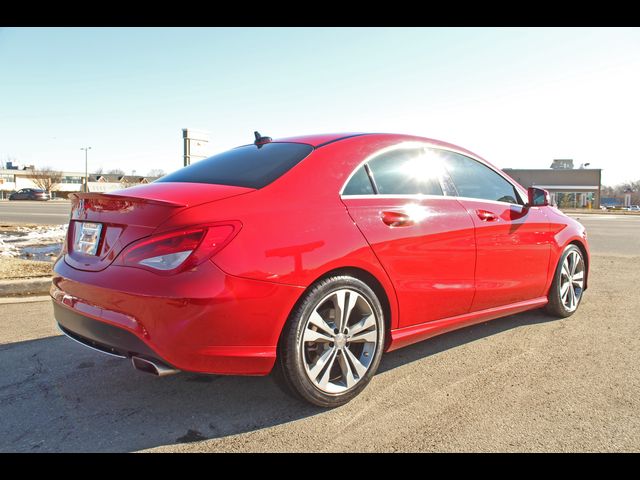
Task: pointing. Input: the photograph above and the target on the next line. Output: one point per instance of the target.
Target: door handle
(486, 216)
(396, 219)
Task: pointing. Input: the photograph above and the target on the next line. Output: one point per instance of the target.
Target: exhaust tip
(154, 368)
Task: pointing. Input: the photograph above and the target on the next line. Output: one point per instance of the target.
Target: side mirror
(538, 197)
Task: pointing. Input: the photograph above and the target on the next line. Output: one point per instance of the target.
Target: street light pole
(86, 171)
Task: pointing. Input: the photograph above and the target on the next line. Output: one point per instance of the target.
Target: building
(562, 164)
(12, 180)
(569, 187)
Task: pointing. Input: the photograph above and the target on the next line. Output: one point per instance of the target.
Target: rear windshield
(247, 166)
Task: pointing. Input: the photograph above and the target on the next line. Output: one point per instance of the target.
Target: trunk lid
(125, 216)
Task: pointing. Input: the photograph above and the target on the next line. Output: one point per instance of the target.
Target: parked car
(309, 257)
(633, 208)
(30, 194)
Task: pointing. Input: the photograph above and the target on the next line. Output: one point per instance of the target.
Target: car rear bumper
(99, 335)
(200, 321)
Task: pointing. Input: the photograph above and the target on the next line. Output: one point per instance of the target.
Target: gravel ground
(526, 383)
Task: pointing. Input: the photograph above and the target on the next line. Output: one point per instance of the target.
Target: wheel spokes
(344, 301)
(360, 368)
(571, 280)
(316, 336)
(572, 297)
(326, 357)
(344, 329)
(370, 336)
(364, 324)
(327, 373)
(575, 259)
(347, 373)
(319, 322)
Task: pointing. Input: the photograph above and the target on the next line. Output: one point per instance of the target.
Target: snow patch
(13, 242)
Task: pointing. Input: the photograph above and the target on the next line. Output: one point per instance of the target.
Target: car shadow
(58, 396)
(453, 339)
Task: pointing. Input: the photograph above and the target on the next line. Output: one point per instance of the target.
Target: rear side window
(406, 172)
(475, 180)
(360, 184)
(247, 166)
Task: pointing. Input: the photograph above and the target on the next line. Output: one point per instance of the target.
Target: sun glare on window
(423, 167)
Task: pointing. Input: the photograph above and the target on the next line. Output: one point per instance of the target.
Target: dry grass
(12, 268)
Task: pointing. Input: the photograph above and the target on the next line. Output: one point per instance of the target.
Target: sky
(518, 97)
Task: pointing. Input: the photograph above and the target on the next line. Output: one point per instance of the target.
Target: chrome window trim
(419, 196)
(414, 196)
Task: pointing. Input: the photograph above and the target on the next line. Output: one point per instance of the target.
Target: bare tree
(116, 171)
(618, 191)
(156, 172)
(45, 178)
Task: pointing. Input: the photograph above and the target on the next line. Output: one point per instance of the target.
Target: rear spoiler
(113, 196)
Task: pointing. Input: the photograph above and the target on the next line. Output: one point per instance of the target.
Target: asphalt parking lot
(526, 382)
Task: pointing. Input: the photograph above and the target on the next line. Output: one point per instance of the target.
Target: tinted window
(474, 180)
(247, 166)
(406, 172)
(360, 184)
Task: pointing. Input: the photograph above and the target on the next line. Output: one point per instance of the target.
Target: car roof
(321, 140)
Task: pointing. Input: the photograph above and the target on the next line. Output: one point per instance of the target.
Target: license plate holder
(87, 238)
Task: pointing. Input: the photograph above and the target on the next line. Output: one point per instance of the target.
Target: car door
(513, 240)
(423, 238)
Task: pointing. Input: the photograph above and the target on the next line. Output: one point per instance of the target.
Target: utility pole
(86, 171)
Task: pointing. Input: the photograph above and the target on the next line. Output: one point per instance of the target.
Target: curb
(25, 286)
(12, 300)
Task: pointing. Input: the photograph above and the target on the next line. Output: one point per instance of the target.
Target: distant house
(107, 182)
(133, 180)
(14, 179)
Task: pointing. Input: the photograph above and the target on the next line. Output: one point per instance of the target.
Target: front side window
(407, 171)
(472, 179)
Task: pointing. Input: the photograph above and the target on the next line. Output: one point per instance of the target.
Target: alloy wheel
(339, 341)
(572, 280)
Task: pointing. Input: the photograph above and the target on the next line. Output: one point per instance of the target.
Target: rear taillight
(179, 250)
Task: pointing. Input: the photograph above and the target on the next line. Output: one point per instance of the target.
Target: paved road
(521, 383)
(612, 234)
(54, 212)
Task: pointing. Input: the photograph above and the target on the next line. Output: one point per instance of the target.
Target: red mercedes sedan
(309, 257)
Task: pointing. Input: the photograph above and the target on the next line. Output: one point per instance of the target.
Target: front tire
(567, 287)
(332, 343)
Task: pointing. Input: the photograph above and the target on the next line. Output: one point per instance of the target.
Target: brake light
(179, 250)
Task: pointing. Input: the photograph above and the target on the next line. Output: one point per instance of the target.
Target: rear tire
(567, 287)
(332, 343)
